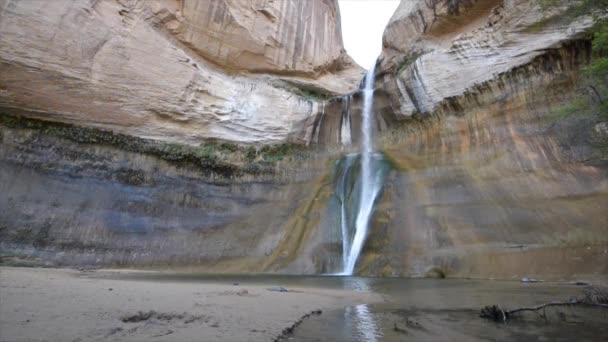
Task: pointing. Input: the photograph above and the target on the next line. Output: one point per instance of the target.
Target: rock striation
(439, 51)
(259, 35)
(445, 57)
(88, 197)
(491, 178)
(487, 178)
(156, 69)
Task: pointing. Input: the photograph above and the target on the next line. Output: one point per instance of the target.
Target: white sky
(363, 22)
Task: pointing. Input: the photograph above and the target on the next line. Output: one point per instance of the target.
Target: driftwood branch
(287, 333)
(540, 307)
(546, 305)
(594, 297)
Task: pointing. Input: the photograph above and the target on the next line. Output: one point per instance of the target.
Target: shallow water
(428, 309)
(448, 310)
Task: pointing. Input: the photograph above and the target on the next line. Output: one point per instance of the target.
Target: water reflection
(359, 318)
(362, 323)
(428, 309)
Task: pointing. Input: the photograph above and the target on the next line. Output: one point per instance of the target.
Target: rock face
(86, 197)
(491, 179)
(259, 35)
(454, 46)
(127, 91)
(152, 68)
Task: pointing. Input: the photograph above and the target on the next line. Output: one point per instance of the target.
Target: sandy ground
(69, 305)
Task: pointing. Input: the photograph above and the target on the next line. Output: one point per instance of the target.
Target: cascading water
(344, 132)
(370, 184)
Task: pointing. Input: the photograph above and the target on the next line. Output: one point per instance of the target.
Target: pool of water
(365, 284)
(429, 309)
(448, 310)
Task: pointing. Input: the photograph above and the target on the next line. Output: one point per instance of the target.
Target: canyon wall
(142, 140)
(87, 197)
(156, 69)
(452, 50)
(493, 177)
(293, 37)
(161, 132)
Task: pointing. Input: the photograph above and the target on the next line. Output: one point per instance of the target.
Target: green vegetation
(131, 177)
(578, 7)
(42, 237)
(279, 152)
(597, 71)
(309, 92)
(219, 158)
(407, 61)
(595, 81)
(312, 94)
(440, 272)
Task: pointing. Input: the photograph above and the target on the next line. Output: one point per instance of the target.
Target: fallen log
(594, 297)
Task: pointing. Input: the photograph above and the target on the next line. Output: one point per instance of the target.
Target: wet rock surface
(81, 197)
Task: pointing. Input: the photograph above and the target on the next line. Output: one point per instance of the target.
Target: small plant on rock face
(578, 7)
(206, 152)
(251, 153)
(212, 157)
(407, 61)
(453, 6)
(597, 71)
(437, 272)
(314, 94)
(595, 82)
(277, 152)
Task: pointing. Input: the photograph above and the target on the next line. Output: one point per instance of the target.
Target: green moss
(537, 26)
(595, 79)
(440, 272)
(220, 158)
(407, 61)
(572, 11)
(41, 239)
(591, 99)
(313, 94)
(280, 152)
(131, 177)
(577, 7)
(308, 92)
(227, 147)
(251, 153)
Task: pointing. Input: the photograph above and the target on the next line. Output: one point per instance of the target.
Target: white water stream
(371, 183)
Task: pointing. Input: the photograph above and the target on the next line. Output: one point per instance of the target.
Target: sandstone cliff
(295, 37)
(492, 179)
(488, 178)
(106, 166)
(454, 46)
(81, 196)
(174, 70)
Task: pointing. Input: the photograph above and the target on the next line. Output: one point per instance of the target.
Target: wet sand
(72, 305)
(449, 310)
(126, 305)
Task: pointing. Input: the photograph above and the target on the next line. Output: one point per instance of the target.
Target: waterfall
(344, 192)
(318, 125)
(344, 132)
(370, 183)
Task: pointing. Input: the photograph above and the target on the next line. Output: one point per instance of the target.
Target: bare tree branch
(594, 297)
